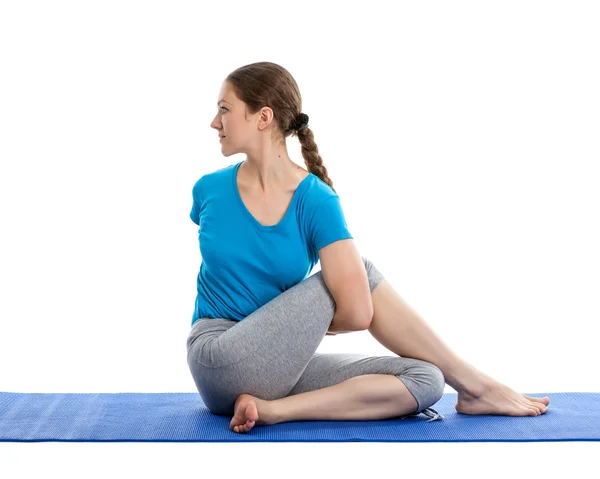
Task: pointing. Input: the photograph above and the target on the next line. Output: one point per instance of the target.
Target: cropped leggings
(270, 354)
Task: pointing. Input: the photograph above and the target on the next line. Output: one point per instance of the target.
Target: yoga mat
(183, 417)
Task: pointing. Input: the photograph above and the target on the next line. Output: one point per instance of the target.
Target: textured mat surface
(183, 417)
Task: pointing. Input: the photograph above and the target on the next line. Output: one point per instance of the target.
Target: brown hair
(268, 84)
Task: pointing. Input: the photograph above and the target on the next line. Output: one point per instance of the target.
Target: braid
(310, 153)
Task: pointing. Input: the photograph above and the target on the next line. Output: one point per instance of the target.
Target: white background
(461, 137)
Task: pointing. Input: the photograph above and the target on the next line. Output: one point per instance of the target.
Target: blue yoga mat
(183, 417)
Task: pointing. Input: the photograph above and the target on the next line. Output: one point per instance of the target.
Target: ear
(266, 117)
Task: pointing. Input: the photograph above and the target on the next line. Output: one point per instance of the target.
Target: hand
(328, 333)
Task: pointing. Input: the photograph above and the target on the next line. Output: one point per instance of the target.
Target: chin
(228, 151)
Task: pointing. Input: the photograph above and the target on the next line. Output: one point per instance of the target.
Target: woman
(263, 225)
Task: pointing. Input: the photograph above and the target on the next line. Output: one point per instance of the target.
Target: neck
(270, 174)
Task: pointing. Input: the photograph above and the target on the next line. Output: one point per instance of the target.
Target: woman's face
(239, 135)
(229, 122)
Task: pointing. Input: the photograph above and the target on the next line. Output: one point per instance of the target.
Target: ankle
(465, 378)
(268, 412)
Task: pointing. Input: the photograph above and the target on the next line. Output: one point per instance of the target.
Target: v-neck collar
(251, 218)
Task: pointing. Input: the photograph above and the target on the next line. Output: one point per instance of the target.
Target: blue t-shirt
(245, 264)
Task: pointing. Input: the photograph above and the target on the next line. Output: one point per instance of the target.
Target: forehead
(225, 95)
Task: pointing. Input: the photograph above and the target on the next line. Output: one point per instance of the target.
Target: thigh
(266, 353)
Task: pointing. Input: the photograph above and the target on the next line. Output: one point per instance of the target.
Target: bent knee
(373, 274)
(437, 378)
(437, 382)
(367, 262)
(429, 382)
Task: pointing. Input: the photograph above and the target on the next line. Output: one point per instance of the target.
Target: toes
(534, 405)
(236, 421)
(539, 409)
(544, 400)
(538, 403)
(243, 428)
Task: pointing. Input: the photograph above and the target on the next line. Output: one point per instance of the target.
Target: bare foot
(249, 411)
(496, 398)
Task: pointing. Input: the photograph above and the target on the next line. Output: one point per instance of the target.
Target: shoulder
(208, 179)
(318, 192)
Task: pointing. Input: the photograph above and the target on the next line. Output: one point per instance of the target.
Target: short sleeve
(196, 203)
(328, 224)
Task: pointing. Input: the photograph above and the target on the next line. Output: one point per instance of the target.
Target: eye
(224, 108)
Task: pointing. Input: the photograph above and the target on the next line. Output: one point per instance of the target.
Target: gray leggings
(270, 354)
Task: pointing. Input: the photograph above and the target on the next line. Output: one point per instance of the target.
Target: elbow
(362, 321)
(351, 319)
(366, 319)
